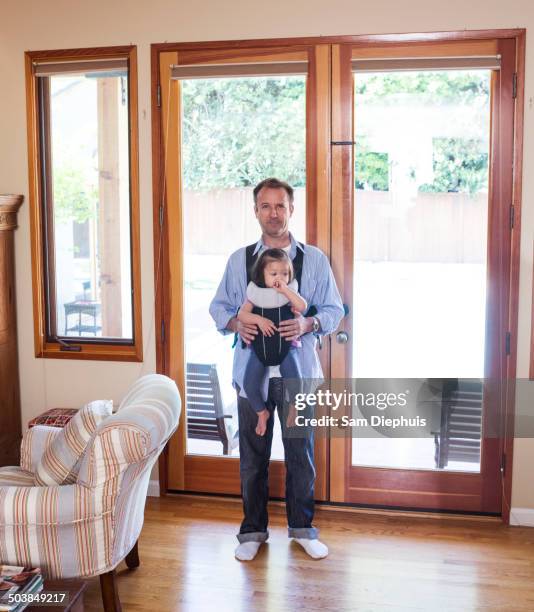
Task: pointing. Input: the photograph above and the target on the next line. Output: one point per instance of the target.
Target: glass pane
(421, 209)
(236, 132)
(90, 173)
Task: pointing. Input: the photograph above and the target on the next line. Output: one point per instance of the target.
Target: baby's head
(272, 265)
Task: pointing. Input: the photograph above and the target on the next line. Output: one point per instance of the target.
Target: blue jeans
(254, 455)
(255, 370)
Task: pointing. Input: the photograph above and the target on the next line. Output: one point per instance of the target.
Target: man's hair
(273, 183)
(257, 275)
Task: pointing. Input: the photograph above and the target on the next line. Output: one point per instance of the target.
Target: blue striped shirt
(318, 287)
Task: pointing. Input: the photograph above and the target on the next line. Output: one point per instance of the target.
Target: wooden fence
(428, 227)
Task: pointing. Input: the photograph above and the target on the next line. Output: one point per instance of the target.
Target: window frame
(107, 349)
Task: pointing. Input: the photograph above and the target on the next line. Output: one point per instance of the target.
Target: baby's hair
(257, 273)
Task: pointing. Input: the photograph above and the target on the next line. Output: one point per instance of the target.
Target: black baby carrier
(271, 350)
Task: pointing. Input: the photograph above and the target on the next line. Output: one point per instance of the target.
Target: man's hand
(263, 417)
(247, 332)
(292, 329)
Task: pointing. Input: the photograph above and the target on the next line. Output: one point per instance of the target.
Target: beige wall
(29, 24)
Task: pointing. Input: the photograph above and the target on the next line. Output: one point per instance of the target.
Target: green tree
(75, 197)
(461, 86)
(459, 164)
(371, 171)
(238, 131)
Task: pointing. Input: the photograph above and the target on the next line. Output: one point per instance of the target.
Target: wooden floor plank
(376, 563)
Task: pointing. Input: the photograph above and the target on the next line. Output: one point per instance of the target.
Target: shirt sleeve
(327, 299)
(223, 306)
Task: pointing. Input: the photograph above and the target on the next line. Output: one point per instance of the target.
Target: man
(273, 207)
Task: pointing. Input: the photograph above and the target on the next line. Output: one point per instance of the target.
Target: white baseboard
(522, 516)
(153, 489)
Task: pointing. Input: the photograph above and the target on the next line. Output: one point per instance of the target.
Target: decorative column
(10, 417)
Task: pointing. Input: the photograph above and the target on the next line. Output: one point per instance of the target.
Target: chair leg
(132, 558)
(110, 594)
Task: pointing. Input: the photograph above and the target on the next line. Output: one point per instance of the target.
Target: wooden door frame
(507, 279)
(168, 283)
(361, 41)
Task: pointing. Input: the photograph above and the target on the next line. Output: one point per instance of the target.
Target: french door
(228, 119)
(420, 211)
(401, 155)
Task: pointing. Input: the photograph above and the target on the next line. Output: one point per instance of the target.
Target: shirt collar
(292, 251)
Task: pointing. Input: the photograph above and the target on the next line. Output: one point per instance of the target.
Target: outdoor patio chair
(459, 436)
(205, 418)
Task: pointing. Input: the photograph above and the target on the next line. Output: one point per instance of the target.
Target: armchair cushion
(61, 459)
(115, 447)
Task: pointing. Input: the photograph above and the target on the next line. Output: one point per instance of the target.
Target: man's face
(273, 211)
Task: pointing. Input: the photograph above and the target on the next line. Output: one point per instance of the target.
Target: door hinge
(163, 332)
(512, 216)
(158, 96)
(507, 343)
(161, 216)
(514, 85)
(503, 464)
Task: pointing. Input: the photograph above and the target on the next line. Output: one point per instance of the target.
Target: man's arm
(223, 308)
(327, 299)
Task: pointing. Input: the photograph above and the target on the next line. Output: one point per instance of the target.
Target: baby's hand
(267, 327)
(280, 286)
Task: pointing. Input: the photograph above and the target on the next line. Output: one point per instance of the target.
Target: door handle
(342, 337)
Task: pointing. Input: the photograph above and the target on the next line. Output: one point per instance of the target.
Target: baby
(272, 296)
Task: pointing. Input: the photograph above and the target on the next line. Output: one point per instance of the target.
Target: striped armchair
(86, 528)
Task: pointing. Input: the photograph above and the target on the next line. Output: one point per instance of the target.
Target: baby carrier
(271, 350)
(268, 303)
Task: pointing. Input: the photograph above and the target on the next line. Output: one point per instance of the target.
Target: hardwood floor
(376, 563)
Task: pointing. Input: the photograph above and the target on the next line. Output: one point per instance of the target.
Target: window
(82, 110)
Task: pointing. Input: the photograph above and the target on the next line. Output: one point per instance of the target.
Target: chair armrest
(48, 506)
(34, 443)
(65, 518)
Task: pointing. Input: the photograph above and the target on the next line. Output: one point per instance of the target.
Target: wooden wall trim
(520, 40)
(172, 341)
(85, 53)
(342, 252)
(355, 40)
(157, 191)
